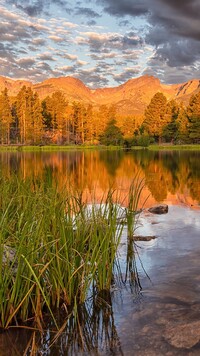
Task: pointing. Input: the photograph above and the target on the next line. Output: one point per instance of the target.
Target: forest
(25, 119)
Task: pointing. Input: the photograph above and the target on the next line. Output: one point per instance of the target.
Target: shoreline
(46, 148)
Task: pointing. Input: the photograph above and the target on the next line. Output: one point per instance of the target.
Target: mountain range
(130, 98)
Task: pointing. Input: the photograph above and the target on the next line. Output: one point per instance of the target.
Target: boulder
(159, 209)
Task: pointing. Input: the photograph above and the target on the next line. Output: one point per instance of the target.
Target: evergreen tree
(112, 134)
(29, 116)
(171, 128)
(5, 117)
(46, 113)
(37, 120)
(155, 119)
(182, 125)
(193, 111)
(54, 110)
(90, 125)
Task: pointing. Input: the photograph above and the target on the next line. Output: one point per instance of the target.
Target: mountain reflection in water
(171, 177)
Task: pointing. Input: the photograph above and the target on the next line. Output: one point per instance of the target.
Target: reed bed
(55, 252)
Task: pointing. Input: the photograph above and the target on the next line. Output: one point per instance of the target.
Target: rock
(9, 257)
(159, 209)
(144, 238)
(183, 335)
(8, 254)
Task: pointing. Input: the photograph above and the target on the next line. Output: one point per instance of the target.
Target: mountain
(130, 98)
(13, 86)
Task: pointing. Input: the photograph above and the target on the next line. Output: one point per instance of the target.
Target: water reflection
(100, 329)
(172, 177)
(92, 331)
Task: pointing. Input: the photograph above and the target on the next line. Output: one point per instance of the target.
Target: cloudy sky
(101, 42)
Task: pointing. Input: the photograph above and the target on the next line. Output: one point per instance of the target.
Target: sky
(104, 43)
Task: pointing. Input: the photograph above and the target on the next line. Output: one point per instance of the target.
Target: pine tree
(5, 117)
(193, 112)
(37, 120)
(29, 116)
(89, 125)
(112, 134)
(155, 119)
(182, 125)
(171, 128)
(54, 111)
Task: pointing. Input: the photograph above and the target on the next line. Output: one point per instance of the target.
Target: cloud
(26, 62)
(127, 74)
(45, 38)
(92, 78)
(66, 69)
(46, 57)
(126, 7)
(171, 26)
(86, 11)
(34, 8)
(105, 42)
(71, 57)
(56, 38)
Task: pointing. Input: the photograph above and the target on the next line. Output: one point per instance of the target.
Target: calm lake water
(171, 177)
(157, 310)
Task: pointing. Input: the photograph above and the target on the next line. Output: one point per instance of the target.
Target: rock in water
(159, 209)
(183, 335)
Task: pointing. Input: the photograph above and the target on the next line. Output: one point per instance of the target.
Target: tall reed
(53, 254)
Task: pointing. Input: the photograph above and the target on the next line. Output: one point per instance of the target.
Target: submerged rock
(159, 209)
(183, 335)
(144, 238)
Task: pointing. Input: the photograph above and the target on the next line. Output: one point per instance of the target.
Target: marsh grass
(53, 256)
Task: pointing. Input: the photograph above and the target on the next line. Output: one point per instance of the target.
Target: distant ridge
(130, 98)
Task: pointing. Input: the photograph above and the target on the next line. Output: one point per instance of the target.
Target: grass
(174, 147)
(49, 148)
(54, 252)
(54, 147)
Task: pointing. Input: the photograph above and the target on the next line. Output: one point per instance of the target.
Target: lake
(171, 177)
(156, 310)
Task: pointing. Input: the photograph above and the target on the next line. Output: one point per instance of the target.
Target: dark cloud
(26, 62)
(92, 78)
(173, 26)
(91, 23)
(86, 11)
(104, 43)
(126, 75)
(179, 53)
(31, 8)
(124, 23)
(36, 7)
(125, 7)
(171, 75)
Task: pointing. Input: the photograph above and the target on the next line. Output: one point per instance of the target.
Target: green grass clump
(53, 254)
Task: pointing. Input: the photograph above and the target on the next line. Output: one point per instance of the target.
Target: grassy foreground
(54, 251)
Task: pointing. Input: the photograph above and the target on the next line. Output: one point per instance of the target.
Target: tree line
(25, 119)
